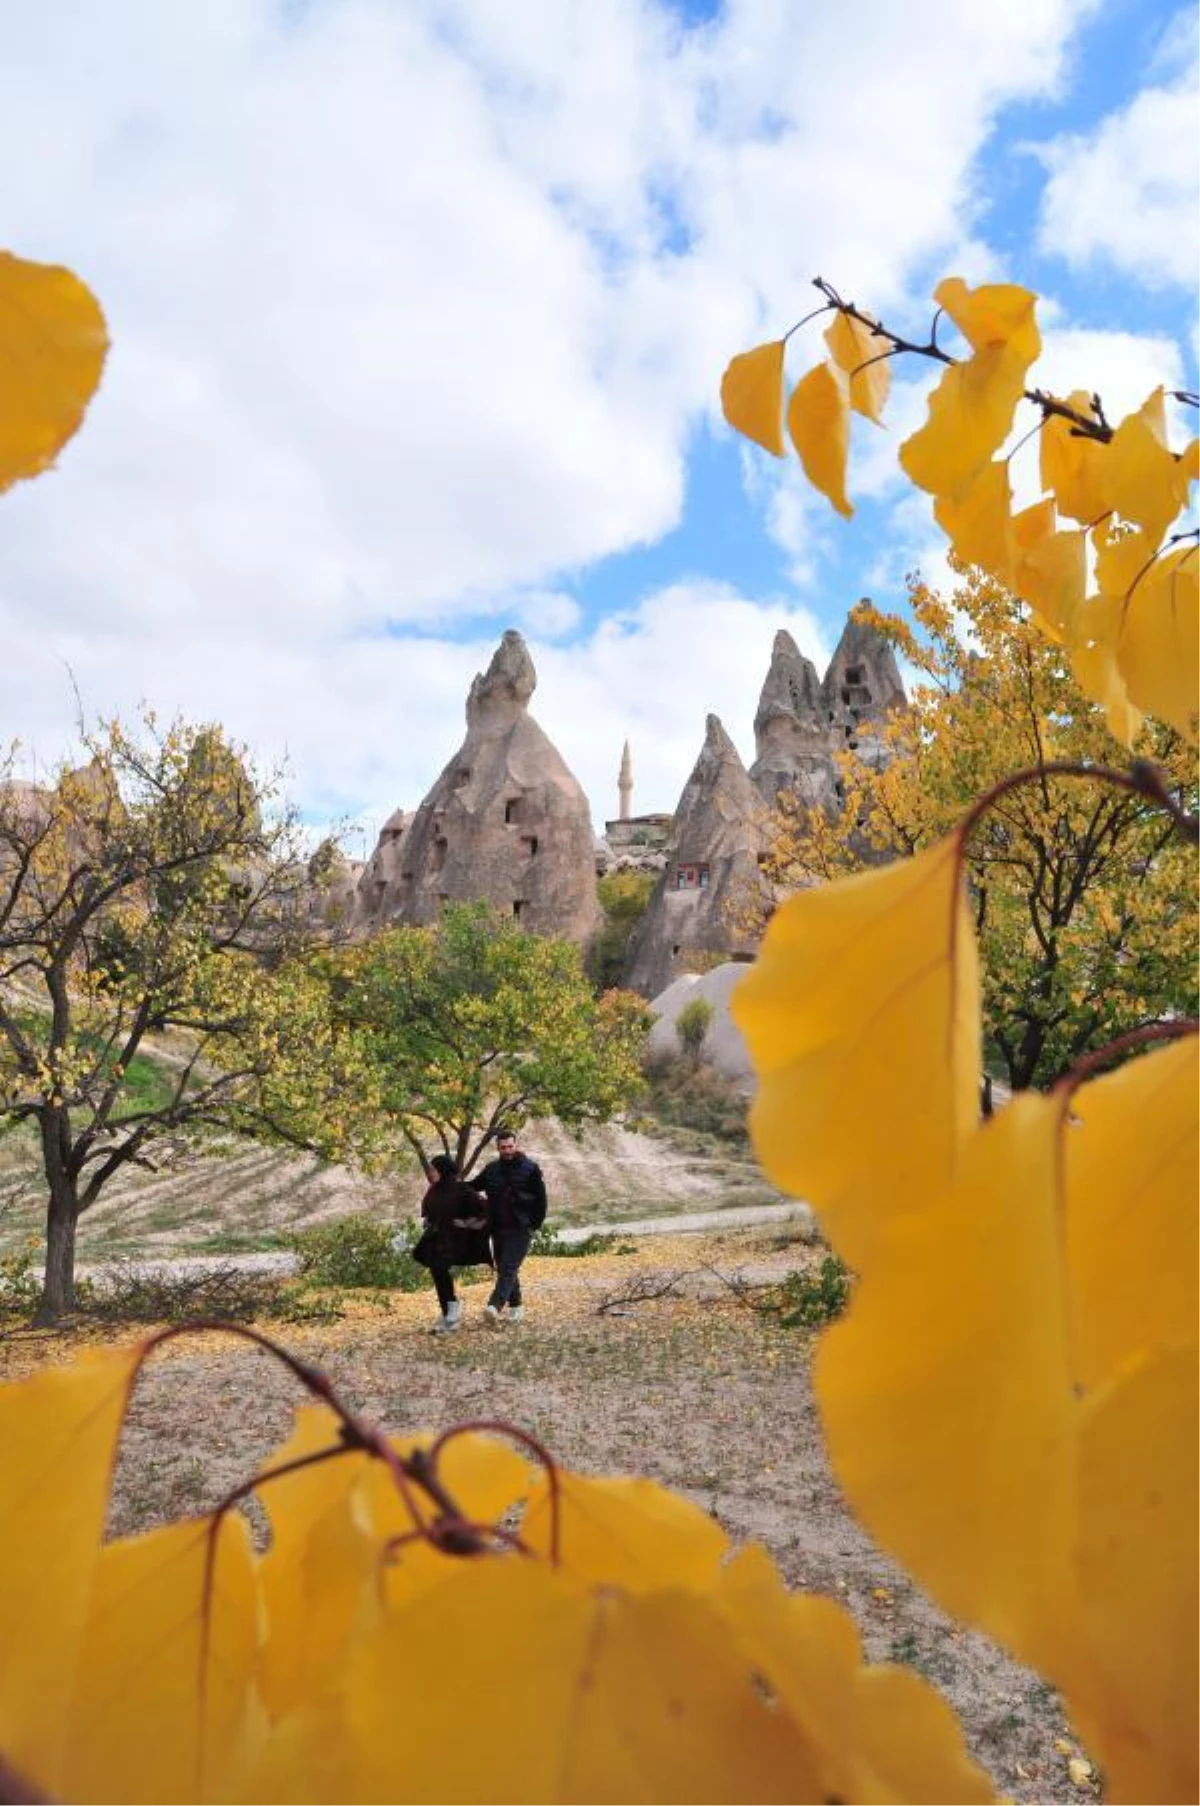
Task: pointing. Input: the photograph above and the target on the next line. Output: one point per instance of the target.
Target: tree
(623, 898)
(141, 893)
(473, 1023)
(692, 1025)
(1084, 896)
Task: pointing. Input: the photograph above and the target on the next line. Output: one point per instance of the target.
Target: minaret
(625, 784)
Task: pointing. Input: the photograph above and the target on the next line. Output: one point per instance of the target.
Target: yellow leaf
(995, 314)
(612, 1698)
(1093, 651)
(752, 395)
(876, 1733)
(1122, 554)
(164, 1705)
(1052, 578)
(1158, 647)
(977, 520)
(818, 419)
(971, 410)
(52, 347)
(1079, 1771)
(321, 1577)
(946, 1393)
(626, 1532)
(855, 349)
(970, 413)
(58, 1439)
(1072, 465)
(866, 989)
(1145, 482)
(1138, 1574)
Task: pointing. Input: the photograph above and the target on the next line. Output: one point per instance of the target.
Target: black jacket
(514, 1186)
(446, 1241)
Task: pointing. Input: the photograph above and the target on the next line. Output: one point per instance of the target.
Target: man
(516, 1195)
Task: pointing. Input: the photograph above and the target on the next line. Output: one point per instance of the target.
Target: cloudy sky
(419, 310)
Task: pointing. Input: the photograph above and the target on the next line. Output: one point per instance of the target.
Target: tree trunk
(62, 1214)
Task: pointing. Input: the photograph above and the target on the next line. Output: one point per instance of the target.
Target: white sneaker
(492, 1317)
(516, 1313)
(450, 1321)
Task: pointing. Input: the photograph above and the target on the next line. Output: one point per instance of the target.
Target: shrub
(808, 1299)
(687, 1095)
(20, 1287)
(357, 1251)
(549, 1242)
(692, 1025)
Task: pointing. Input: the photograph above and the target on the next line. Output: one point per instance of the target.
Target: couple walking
(490, 1220)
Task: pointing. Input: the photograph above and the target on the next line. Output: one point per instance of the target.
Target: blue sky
(419, 311)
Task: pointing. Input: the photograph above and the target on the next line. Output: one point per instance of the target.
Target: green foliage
(623, 898)
(808, 1300)
(357, 1252)
(547, 1241)
(692, 1025)
(19, 1284)
(474, 1022)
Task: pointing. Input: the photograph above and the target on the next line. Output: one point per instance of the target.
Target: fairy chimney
(505, 823)
(711, 872)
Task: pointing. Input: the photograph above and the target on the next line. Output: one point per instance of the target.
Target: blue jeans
(510, 1246)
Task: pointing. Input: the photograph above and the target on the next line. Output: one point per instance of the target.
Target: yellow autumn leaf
(58, 1439)
(53, 343)
(970, 414)
(321, 1578)
(1052, 577)
(1130, 1216)
(855, 349)
(818, 419)
(752, 395)
(1093, 649)
(1138, 1508)
(625, 1532)
(977, 520)
(164, 1706)
(972, 408)
(868, 988)
(996, 314)
(1145, 482)
(972, 1487)
(1158, 645)
(617, 1697)
(877, 1733)
(1121, 555)
(1072, 465)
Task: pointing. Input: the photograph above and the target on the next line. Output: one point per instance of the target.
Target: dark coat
(516, 1190)
(445, 1241)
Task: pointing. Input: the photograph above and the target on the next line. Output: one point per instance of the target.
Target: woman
(455, 1235)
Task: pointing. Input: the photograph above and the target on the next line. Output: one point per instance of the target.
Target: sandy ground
(695, 1388)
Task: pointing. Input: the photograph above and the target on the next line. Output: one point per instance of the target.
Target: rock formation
(791, 735)
(711, 871)
(802, 723)
(505, 823)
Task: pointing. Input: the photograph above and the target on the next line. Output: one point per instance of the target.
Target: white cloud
(414, 308)
(1129, 192)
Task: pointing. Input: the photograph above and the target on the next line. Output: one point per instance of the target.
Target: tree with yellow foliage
(1084, 897)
